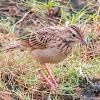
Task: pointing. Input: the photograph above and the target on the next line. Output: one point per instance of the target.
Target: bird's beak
(84, 42)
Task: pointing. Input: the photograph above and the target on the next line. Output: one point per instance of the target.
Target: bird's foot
(52, 78)
(53, 86)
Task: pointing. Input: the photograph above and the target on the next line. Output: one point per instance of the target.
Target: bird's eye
(73, 35)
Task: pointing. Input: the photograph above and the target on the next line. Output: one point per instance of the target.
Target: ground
(78, 76)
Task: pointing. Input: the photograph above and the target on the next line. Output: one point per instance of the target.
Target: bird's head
(75, 34)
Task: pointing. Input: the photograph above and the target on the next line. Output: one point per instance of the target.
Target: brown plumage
(53, 44)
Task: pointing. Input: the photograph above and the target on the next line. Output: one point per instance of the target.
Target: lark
(52, 45)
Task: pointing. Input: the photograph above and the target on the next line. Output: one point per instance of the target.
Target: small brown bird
(53, 45)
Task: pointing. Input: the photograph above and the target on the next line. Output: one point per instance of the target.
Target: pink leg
(49, 71)
(48, 81)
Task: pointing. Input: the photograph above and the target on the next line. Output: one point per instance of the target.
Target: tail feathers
(11, 45)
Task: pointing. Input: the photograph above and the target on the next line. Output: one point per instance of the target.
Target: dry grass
(19, 78)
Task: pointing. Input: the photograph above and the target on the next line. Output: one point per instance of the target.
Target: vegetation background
(78, 75)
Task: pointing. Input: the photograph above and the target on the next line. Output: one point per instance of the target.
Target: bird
(52, 45)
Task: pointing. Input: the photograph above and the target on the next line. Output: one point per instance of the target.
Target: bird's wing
(42, 37)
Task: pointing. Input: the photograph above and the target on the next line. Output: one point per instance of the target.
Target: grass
(22, 73)
(19, 71)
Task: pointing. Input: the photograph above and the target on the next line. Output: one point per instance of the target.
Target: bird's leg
(49, 72)
(48, 81)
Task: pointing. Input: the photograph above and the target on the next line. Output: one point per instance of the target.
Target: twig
(11, 1)
(23, 17)
(52, 20)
